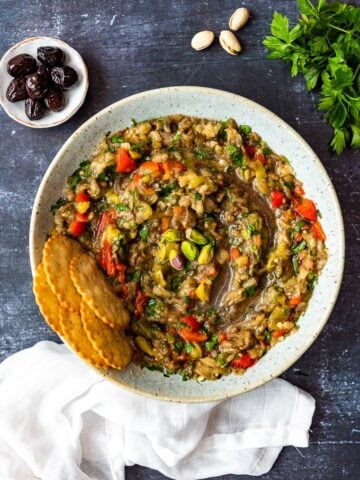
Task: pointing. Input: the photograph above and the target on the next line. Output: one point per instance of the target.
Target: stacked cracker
(79, 304)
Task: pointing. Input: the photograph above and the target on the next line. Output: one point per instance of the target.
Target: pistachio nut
(158, 276)
(229, 42)
(206, 255)
(161, 253)
(195, 236)
(202, 40)
(196, 351)
(172, 235)
(239, 18)
(203, 292)
(177, 261)
(190, 250)
(142, 343)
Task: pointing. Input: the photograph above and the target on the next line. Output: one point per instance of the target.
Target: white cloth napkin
(59, 420)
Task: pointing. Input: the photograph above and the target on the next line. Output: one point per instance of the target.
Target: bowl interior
(212, 104)
(75, 96)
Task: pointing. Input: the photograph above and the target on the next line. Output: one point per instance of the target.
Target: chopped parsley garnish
(166, 191)
(267, 335)
(144, 233)
(299, 225)
(121, 207)
(313, 279)
(201, 153)
(74, 180)
(222, 133)
(245, 130)
(300, 246)
(84, 169)
(210, 239)
(198, 196)
(295, 262)
(175, 283)
(176, 138)
(251, 229)
(153, 307)
(59, 203)
(136, 147)
(250, 291)
(136, 277)
(211, 344)
(117, 139)
(236, 156)
(188, 347)
(266, 150)
(178, 346)
(208, 219)
(133, 122)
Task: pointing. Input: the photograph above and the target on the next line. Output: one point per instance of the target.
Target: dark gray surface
(131, 46)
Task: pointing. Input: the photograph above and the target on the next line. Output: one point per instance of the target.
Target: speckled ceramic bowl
(213, 104)
(74, 97)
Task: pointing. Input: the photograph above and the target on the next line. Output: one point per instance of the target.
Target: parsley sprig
(325, 47)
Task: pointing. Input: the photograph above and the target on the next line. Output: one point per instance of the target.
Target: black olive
(55, 100)
(44, 70)
(35, 109)
(21, 65)
(50, 56)
(37, 85)
(16, 90)
(63, 77)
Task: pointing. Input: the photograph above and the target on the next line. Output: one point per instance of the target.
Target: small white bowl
(74, 97)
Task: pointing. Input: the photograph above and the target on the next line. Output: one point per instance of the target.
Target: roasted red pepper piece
(81, 217)
(150, 168)
(261, 157)
(191, 323)
(124, 162)
(306, 208)
(250, 150)
(106, 260)
(279, 333)
(172, 167)
(277, 198)
(191, 336)
(82, 197)
(76, 228)
(318, 231)
(121, 271)
(245, 361)
(106, 218)
(140, 302)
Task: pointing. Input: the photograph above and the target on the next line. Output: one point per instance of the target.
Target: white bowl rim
(340, 257)
(33, 124)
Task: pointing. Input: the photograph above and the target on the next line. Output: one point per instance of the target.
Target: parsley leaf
(324, 46)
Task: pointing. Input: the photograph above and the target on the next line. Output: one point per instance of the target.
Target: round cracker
(46, 300)
(57, 254)
(75, 335)
(112, 345)
(96, 291)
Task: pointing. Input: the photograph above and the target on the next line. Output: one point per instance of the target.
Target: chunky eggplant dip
(206, 235)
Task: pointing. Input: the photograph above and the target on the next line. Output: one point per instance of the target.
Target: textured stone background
(136, 45)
